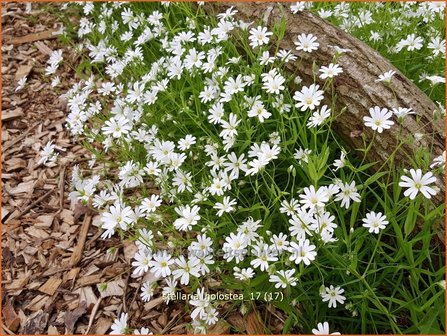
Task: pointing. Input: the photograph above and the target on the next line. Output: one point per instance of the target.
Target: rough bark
(356, 88)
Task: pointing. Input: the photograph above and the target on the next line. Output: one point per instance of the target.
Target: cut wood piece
(45, 35)
(12, 114)
(356, 88)
(51, 285)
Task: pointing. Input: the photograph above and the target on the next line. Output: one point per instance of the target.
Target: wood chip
(44, 221)
(43, 48)
(89, 280)
(45, 35)
(102, 326)
(12, 114)
(51, 285)
(52, 330)
(112, 288)
(86, 294)
(23, 71)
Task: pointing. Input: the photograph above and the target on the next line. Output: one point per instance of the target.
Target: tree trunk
(356, 88)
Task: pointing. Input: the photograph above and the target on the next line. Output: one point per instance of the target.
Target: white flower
(302, 252)
(375, 221)
(160, 264)
(235, 247)
(229, 127)
(234, 164)
(243, 274)
(149, 205)
(340, 163)
(273, 84)
(117, 216)
(216, 113)
(119, 326)
(418, 183)
(282, 278)
(435, 79)
(309, 97)
(21, 83)
(258, 110)
(142, 260)
(48, 156)
(330, 71)
(302, 155)
(307, 43)
(313, 198)
(386, 77)
(200, 302)
(379, 119)
(280, 242)
(147, 291)
(186, 142)
(319, 117)
(233, 86)
(116, 126)
(227, 205)
(263, 254)
(347, 193)
(259, 36)
(186, 268)
(439, 161)
(437, 45)
(142, 331)
(189, 217)
(402, 112)
(333, 295)
(323, 329)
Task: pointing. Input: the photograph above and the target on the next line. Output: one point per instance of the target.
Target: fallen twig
(93, 314)
(77, 252)
(20, 138)
(37, 201)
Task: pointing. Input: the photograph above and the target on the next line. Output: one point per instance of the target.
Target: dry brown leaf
(52, 330)
(237, 321)
(12, 320)
(36, 323)
(153, 303)
(102, 326)
(71, 317)
(23, 71)
(220, 328)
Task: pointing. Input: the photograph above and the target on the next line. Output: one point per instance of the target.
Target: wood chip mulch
(54, 264)
(50, 279)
